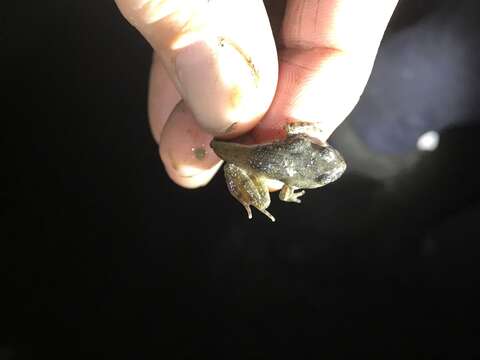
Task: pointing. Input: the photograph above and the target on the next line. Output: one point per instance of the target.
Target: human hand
(215, 70)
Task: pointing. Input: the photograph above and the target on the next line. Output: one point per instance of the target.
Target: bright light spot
(428, 141)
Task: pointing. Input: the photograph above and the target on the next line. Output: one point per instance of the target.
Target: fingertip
(185, 150)
(191, 182)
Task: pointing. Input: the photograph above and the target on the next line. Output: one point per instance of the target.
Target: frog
(299, 161)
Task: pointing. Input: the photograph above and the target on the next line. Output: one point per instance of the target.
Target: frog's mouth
(332, 175)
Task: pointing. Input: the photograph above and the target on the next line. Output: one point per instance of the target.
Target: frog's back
(297, 161)
(261, 157)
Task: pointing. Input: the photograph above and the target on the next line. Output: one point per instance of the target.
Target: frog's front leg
(288, 194)
(247, 189)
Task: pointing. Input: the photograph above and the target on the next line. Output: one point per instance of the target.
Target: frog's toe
(249, 211)
(288, 194)
(295, 196)
(270, 216)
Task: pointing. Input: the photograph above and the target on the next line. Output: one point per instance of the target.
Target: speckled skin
(299, 162)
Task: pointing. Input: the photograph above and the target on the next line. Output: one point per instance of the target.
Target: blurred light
(428, 141)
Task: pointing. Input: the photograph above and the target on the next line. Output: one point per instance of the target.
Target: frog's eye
(323, 179)
(330, 176)
(328, 154)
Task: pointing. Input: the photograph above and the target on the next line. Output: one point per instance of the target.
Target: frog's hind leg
(288, 194)
(248, 190)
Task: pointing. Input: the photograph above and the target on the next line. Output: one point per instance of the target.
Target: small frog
(301, 161)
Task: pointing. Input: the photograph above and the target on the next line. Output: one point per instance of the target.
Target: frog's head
(333, 166)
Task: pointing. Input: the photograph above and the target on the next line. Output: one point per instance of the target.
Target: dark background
(102, 256)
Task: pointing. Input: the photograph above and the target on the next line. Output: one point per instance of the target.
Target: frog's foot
(288, 194)
(248, 190)
(305, 128)
(249, 210)
(264, 211)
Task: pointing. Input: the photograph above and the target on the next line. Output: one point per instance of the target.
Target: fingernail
(219, 83)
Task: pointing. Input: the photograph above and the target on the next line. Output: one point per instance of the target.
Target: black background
(102, 256)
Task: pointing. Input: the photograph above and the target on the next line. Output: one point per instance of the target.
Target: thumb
(220, 55)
